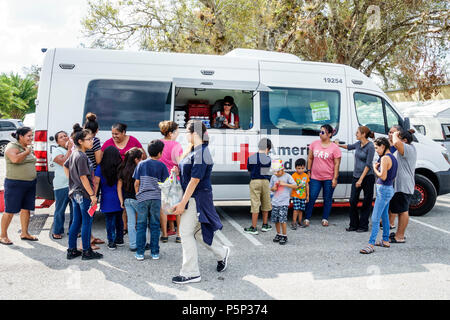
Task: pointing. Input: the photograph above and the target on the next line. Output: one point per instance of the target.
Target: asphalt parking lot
(316, 263)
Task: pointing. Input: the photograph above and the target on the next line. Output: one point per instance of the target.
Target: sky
(26, 26)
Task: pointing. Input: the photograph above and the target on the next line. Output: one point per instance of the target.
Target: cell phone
(92, 210)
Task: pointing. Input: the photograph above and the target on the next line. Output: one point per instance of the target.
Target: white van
(434, 128)
(277, 95)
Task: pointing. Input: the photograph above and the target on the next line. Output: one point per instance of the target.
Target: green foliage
(17, 95)
(373, 36)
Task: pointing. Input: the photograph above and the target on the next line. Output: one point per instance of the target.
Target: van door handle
(342, 142)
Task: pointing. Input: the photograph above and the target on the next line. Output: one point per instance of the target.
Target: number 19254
(333, 80)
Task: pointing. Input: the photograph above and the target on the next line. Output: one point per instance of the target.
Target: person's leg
(25, 222)
(130, 206)
(118, 237)
(392, 217)
(59, 214)
(86, 224)
(277, 227)
(295, 216)
(171, 225)
(141, 227)
(75, 226)
(163, 221)
(403, 220)
(124, 219)
(284, 228)
(6, 221)
(368, 188)
(328, 191)
(377, 212)
(155, 208)
(28, 204)
(385, 216)
(255, 200)
(109, 218)
(354, 198)
(178, 219)
(314, 190)
(188, 225)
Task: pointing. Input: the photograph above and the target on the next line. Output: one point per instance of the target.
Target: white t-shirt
(60, 181)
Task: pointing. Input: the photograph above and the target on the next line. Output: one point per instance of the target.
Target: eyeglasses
(88, 139)
(227, 104)
(323, 132)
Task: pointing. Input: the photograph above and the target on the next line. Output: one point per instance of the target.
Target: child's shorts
(260, 195)
(279, 214)
(299, 204)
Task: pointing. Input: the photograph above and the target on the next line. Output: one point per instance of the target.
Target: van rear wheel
(424, 196)
(3, 148)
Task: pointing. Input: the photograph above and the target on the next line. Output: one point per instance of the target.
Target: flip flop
(393, 240)
(29, 239)
(381, 244)
(98, 241)
(5, 243)
(56, 238)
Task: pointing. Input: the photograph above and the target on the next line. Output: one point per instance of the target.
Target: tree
(373, 36)
(17, 95)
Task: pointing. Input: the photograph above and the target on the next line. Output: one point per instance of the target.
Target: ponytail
(22, 131)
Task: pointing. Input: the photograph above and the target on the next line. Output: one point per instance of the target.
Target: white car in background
(7, 126)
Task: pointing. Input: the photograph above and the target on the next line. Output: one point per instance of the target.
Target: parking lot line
(429, 226)
(238, 227)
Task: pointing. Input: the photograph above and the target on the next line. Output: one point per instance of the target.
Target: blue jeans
(314, 189)
(131, 208)
(381, 211)
(81, 220)
(114, 226)
(148, 214)
(61, 201)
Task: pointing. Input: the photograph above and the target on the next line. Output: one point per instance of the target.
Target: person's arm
(398, 144)
(61, 159)
(343, 146)
(290, 184)
(137, 183)
(382, 173)
(179, 208)
(96, 184)
(310, 162)
(119, 192)
(66, 171)
(369, 162)
(361, 178)
(307, 192)
(337, 163)
(98, 156)
(16, 156)
(87, 187)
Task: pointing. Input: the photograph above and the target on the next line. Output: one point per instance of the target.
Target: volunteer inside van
(226, 119)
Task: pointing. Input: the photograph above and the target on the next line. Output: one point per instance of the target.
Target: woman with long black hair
(78, 169)
(199, 218)
(106, 177)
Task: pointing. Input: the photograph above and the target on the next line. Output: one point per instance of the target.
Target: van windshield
(295, 111)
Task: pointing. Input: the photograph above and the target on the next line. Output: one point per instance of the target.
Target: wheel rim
(419, 197)
(2, 148)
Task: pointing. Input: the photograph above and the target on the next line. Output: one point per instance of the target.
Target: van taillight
(40, 150)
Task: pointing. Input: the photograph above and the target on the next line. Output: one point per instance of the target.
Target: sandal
(393, 240)
(94, 247)
(29, 239)
(367, 250)
(324, 223)
(6, 243)
(56, 236)
(97, 241)
(305, 223)
(382, 244)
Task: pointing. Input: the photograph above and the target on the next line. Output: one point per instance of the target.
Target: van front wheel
(424, 197)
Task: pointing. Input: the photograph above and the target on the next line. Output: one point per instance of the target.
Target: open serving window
(203, 100)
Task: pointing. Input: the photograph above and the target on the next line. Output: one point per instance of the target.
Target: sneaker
(91, 254)
(139, 257)
(183, 280)
(266, 227)
(155, 256)
(112, 246)
(73, 253)
(178, 240)
(283, 240)
(119, 243)
(294, 226)
(251, 230)
(277, 238)
(360, 230)
(222, 265)
(133, 249)
(164, 239)
(350, 229)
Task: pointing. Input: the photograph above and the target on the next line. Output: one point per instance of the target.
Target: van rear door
(304, 96)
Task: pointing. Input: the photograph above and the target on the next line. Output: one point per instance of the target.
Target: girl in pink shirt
(121, 140)
(170, 157)
(323, 164)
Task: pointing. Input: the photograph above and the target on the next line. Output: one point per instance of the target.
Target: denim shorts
(19, 195)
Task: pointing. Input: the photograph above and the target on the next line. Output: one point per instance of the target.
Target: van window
(446, 131)
(139, 104)
(391, 116)
(369, 111)
(299, 111)
(7, 126)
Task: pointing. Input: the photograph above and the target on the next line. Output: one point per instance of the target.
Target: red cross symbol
(242, 156)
